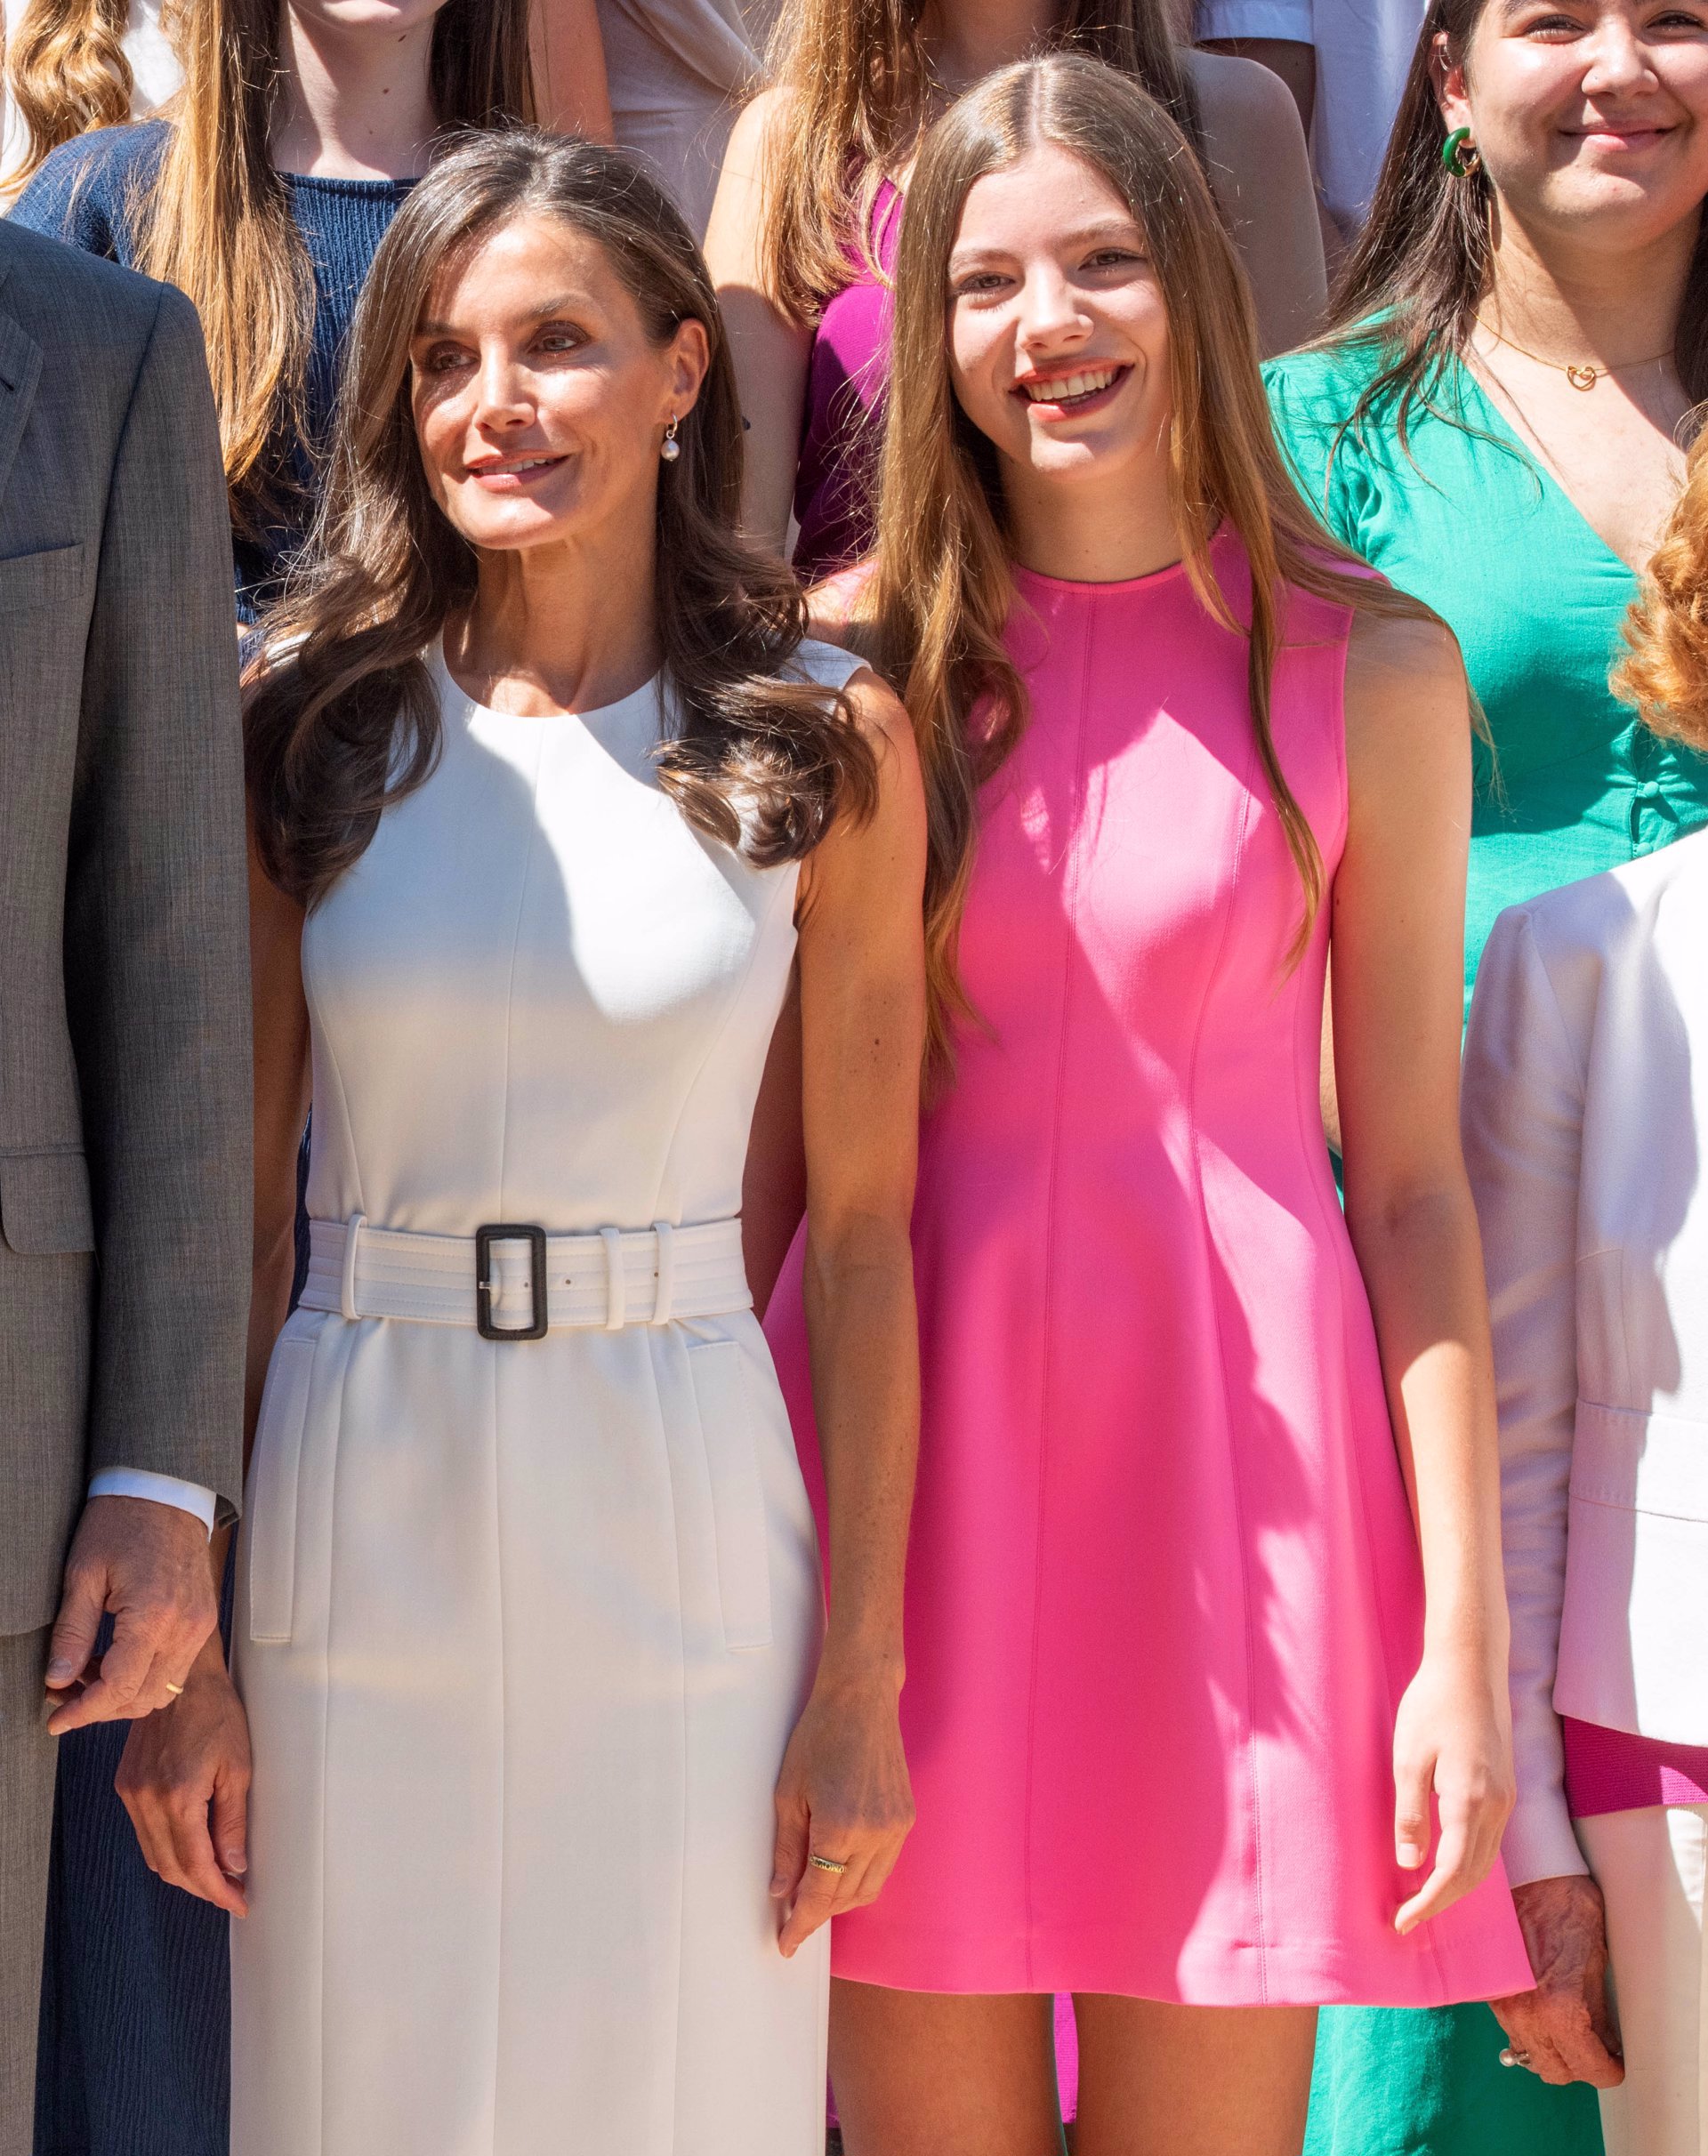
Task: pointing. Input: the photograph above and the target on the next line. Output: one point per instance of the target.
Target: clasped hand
(146, 1564)
(184, 1779)
(1452, 1744)
(844, 1795)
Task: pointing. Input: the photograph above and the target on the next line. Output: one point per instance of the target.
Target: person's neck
(968, 39)
(1573, 302)
(352, 104)
(559, 629)
(1082, 535)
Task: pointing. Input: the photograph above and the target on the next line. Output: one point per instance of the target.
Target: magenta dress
(848, 372)
(1163, 1588)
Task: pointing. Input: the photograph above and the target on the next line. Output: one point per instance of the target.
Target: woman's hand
(843, 1794)
(184, 1779)
(1453, 1741)
(1565, 2029)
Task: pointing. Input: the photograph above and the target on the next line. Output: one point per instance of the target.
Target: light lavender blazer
(1585, 1118)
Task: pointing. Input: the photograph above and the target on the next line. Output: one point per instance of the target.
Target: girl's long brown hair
(857, 77)
(67, 70)
(216, 221)
(341, 717)
(1665, 674)
(937, 605)
(1424, 263)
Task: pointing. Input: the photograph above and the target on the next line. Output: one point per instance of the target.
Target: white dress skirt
(524, 1624)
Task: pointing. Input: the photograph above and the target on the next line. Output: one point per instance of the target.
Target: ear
(1450, 87)
(690, 355)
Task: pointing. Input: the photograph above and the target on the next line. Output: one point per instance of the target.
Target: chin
(1089, 456)
(512, 535)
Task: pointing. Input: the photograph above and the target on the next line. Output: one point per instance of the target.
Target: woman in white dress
(551, 801)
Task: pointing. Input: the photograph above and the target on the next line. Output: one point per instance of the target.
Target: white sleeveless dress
(524, 1624)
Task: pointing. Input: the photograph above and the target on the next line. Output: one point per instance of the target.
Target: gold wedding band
(827, 1864)
(176, 1690)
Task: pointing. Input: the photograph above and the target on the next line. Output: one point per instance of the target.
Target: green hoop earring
(1459, 154)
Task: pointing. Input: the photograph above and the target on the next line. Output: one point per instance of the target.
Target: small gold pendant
(1583, 377)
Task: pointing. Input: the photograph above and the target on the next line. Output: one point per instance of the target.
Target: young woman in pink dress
(1206, 1642)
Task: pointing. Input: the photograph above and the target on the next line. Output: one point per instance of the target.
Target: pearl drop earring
(670, 448)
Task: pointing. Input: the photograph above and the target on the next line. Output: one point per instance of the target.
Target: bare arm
(1294, 62)
(1397, 939)
(770, 351)
(1261, 169)
(774, 1183)
(843, 1792)
(567, 58)
(184, 1778)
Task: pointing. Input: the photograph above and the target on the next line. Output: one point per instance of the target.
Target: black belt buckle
(508, 1231)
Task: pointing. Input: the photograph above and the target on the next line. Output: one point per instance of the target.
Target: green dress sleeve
(1312, 397)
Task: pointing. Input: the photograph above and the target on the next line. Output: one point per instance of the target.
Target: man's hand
(1566, 2026)
(147, 1563)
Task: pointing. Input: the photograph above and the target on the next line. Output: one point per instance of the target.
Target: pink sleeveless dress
(1164, 1590)
(847, 375)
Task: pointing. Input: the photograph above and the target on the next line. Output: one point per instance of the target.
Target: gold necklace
(1585, 377)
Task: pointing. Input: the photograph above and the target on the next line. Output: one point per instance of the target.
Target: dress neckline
(1071, 587)
(1495, 422)
(596, 719)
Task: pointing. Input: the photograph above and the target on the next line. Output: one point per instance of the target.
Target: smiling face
(539, 401)
(1589, 115)
(1058, 339)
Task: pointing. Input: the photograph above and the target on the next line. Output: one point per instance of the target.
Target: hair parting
(216, 220)
(1424, 264)
(341, 709)
(933, 609)
(858, 81)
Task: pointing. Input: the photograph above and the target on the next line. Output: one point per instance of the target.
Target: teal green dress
(1470, 523)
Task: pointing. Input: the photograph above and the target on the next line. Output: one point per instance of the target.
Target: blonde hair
(67, 70)
(1665, 673)
(216, 221)
(938, 603)
(858, 80)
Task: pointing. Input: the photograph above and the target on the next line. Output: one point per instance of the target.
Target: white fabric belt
(606, 1280)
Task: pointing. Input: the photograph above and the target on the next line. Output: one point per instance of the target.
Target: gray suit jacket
(124, 1101)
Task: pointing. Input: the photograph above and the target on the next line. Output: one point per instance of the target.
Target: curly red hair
(1665, 673)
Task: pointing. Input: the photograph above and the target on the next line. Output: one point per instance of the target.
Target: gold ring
(827, 1864)
(176, 1690)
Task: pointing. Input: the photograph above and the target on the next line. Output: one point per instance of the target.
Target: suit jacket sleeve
(1523, 1122)
(157, 940)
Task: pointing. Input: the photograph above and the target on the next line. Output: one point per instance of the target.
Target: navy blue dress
(134, 2057)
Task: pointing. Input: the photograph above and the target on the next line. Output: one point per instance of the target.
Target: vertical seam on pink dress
(1222, 1358)
(1069, 920)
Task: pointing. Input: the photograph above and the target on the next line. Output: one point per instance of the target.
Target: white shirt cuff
(161, 1489)
(1289, 19)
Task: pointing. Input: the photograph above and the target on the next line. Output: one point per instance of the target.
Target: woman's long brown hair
(857, 77)
(342, 717)
(67, 70)
(1425, 260)
(216, 221)
(934, 610)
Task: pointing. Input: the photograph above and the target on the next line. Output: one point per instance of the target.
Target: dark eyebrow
(563, 304)
(1104, 227)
